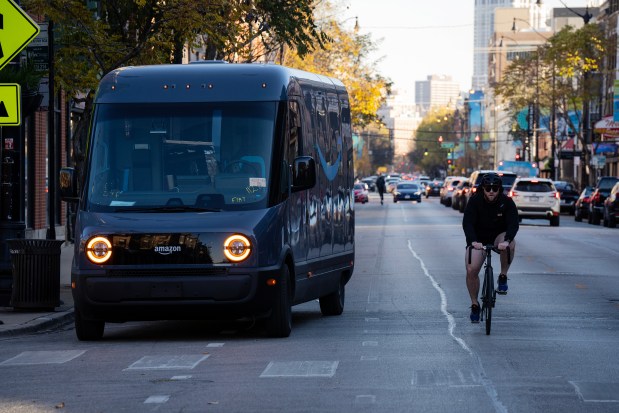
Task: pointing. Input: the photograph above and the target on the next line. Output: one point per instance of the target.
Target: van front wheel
(279, 322)
(333, 304)
(88, 330)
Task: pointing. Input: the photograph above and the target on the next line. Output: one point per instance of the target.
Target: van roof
(213, 82)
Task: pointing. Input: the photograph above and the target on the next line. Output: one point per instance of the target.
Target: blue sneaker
(474, 313)
(502, 287)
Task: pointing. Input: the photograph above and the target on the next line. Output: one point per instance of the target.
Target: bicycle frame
(488, 292)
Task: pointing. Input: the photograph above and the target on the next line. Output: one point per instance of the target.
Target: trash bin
(36, 273)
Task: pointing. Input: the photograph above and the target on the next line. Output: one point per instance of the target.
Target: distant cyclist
(380, 186)
(490, 217)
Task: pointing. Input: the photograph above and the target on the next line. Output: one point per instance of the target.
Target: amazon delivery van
(213, 190)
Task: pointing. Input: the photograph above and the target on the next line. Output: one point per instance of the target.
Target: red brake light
(557, 195)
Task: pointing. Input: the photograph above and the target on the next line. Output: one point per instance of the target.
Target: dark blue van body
(213, 190)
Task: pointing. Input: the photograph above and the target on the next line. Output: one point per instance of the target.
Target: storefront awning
(608, 128)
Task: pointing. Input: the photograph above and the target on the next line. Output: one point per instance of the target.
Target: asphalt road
(403, 344)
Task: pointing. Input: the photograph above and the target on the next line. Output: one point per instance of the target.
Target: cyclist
(490, 217)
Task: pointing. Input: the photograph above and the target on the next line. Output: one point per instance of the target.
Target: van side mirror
(67, 183)
(303, 173)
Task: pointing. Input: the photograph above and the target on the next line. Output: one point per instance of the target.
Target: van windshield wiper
(170, 208)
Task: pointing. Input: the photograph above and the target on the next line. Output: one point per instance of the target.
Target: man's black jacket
(484, 220)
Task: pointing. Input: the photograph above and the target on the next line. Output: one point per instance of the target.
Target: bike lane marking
(485, 381)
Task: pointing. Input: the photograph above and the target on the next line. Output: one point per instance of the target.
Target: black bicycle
(488, 292)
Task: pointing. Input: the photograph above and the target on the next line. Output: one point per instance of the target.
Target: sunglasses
(491, 188)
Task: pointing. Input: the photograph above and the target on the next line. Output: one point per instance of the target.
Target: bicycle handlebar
(491, 247)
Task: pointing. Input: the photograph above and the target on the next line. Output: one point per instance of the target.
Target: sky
(417, 38)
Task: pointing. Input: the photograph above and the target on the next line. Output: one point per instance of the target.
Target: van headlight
(98, 250)
(237, 248)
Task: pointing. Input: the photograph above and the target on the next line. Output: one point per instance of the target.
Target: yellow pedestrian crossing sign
(9, 104)
(17, 29)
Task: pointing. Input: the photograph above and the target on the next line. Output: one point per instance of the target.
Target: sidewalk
(15, 321)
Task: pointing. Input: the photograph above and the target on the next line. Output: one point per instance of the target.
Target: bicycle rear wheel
(488, 298)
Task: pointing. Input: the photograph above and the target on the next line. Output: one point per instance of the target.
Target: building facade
(436, 91)
(484, 27)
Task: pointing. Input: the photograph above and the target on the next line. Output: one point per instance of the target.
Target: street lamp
(477, 140)
(585, 17)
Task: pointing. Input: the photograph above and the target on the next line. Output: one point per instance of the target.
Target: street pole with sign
(17, 29)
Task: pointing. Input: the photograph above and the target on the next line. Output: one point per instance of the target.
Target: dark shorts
(487, 238)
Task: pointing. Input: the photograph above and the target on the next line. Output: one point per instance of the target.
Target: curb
(42, 323)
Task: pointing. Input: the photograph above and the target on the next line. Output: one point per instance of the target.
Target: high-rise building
(436, 91)
(484, 28)
(401, 118)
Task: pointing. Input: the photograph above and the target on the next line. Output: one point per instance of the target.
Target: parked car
(361, 192)
(449, 185)
(390, 183)
(537, 198)
(581, 207)
(611, 207)
(458, 199)
(600, 192)
(434, 188)
(407, 191)
(568, 194)
(466, 187)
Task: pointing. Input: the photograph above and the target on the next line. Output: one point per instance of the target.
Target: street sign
(38, 50)
(17, 29)
(598, 161)
(448, 145)
(9, 104)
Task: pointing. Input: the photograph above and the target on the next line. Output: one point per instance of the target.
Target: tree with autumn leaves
(347, 57)
(559, 74)
(94, 41)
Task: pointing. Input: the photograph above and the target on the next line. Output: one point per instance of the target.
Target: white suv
(537, 198)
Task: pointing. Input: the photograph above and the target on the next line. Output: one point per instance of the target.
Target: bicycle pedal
(501, 292)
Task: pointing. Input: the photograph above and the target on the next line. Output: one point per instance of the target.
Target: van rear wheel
(88, 330)
(279, 322)
(333, 304)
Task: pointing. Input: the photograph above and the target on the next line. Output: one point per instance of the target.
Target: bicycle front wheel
(488, 298)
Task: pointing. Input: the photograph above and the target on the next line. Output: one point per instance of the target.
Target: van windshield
(181, 156)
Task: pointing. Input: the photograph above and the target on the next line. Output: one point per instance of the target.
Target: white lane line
(300, 369)
(215, 345)
(177, 378)
(157, 399)
(365, 399)
(486, 382)
(43, 357)
(185, 361)
(437, 287)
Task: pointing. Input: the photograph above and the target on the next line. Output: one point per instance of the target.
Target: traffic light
(425, 152)
(448, 161)
(518, 155)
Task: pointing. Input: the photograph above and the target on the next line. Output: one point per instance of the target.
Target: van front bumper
(155, 294)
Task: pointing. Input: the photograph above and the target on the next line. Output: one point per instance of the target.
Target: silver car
(537, 198)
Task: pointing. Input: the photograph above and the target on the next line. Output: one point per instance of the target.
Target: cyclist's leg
(473, 259)
(505, 264)
(506, 259)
